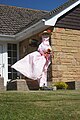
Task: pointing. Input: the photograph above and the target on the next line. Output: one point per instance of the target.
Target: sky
(47, 5)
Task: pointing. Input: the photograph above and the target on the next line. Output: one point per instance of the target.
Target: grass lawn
(40, 105)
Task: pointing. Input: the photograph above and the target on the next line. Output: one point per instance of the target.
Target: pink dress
(35, 65)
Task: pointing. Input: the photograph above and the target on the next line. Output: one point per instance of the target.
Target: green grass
(40, 105)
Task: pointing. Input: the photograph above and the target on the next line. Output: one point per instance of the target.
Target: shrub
(61, 85)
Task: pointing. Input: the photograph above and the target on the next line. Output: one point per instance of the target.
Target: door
(1, 60)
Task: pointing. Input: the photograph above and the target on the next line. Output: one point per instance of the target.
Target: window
(12, 58)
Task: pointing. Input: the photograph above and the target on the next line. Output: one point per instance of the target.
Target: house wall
(25, 48)
(66, 62)
(66, 46)
(4, 62)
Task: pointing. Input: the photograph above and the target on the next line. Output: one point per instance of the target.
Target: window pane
(14, 47)
(14, 60)
(14, 71)
(9, 75)
(9, 68)
(14, 54)
(14, 75)
(9, 53)
(9, 46)
(9, 60)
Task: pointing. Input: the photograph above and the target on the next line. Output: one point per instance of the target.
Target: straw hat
(48, 32)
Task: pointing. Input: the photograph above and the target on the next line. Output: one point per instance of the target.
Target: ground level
(40, 105)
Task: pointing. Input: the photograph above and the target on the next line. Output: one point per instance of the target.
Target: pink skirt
(31, 65)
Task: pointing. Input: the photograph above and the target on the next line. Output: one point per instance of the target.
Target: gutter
(7, 37)
(32, 30)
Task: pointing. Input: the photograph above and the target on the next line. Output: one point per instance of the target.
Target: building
(20, 26)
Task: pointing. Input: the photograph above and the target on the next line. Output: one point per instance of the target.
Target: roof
(59, 9)
(14, 19)
(54, 15)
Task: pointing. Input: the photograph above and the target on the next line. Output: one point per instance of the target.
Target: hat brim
(45, 33)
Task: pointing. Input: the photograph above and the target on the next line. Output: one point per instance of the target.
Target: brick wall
(25, 48)
(66, 62)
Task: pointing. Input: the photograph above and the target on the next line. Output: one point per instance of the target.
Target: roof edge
(30, 31)
(52, 21)
(7, 37)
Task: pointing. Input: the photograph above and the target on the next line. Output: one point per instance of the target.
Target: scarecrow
(35, 65)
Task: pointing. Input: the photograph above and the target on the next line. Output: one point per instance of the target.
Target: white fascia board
(52, 21)
(7, 37)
